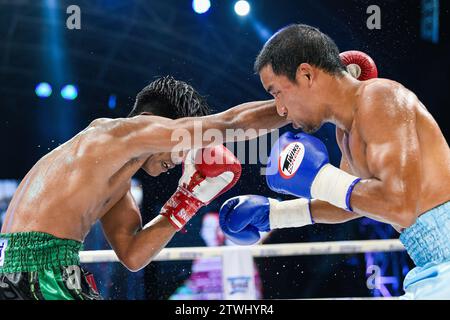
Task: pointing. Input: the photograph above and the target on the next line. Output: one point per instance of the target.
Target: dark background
(123, 45)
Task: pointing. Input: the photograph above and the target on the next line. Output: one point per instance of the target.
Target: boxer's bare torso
(391, 119)
(73, 186)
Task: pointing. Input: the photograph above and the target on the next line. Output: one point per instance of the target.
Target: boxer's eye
(165, 165)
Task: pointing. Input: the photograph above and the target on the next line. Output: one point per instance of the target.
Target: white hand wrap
(289, 214)
(334, 186)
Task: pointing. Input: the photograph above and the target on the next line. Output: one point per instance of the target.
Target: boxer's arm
(158, 134)
(393, 157)
(134, 246)
(289, 213)
(324, 212)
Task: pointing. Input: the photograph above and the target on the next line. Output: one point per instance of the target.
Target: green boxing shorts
(39, 266)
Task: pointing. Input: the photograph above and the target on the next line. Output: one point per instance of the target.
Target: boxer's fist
(298, 165)
(241, 218)
(207, 173)
(359, 65)
(294, 162)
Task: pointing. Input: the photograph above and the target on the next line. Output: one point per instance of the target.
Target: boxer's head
(292, 66)
(170, 98)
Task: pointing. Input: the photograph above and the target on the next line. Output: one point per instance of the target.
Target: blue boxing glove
(242, 218)
(299, 165)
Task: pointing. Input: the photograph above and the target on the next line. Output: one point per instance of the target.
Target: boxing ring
(261, 251)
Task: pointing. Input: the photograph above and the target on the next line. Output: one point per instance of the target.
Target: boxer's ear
(305, 73)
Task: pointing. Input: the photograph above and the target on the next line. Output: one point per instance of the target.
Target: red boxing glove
(207, 173)
(359, 65)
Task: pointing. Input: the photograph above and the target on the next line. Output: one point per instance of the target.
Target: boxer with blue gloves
(395, 165)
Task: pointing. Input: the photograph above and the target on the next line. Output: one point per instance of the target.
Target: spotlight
(43, 90)
(263, 32)
(112, 101)
(242, 8)
(69, 92)
(201, 6)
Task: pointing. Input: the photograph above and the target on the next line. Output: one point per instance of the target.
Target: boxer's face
(158, 163)
(296, 100)
(162, 162)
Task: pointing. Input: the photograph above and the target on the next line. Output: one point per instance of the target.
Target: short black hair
(170, 98)
(297, 44)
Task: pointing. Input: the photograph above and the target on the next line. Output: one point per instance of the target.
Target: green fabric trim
(38, 251)
(52, 285)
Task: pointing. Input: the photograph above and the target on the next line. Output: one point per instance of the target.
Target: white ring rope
(266, 250)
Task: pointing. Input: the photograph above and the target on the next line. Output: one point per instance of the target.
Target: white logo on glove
(290, 159)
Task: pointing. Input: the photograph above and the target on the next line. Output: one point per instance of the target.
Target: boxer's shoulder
(117, 127)
(99, 122)
(380, 90)
(97, 128)
(383, 98)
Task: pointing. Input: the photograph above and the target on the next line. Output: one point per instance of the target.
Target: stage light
(201, 6)
(263, 32)
(43, 90)
(242, 8)
(69, 92)
(112, 101)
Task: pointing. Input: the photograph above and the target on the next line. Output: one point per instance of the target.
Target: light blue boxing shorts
(428, 244)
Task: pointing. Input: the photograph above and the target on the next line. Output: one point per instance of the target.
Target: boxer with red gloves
(88, 179)
(395, 165)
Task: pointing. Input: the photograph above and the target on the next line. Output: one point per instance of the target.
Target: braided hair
(170, 98)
